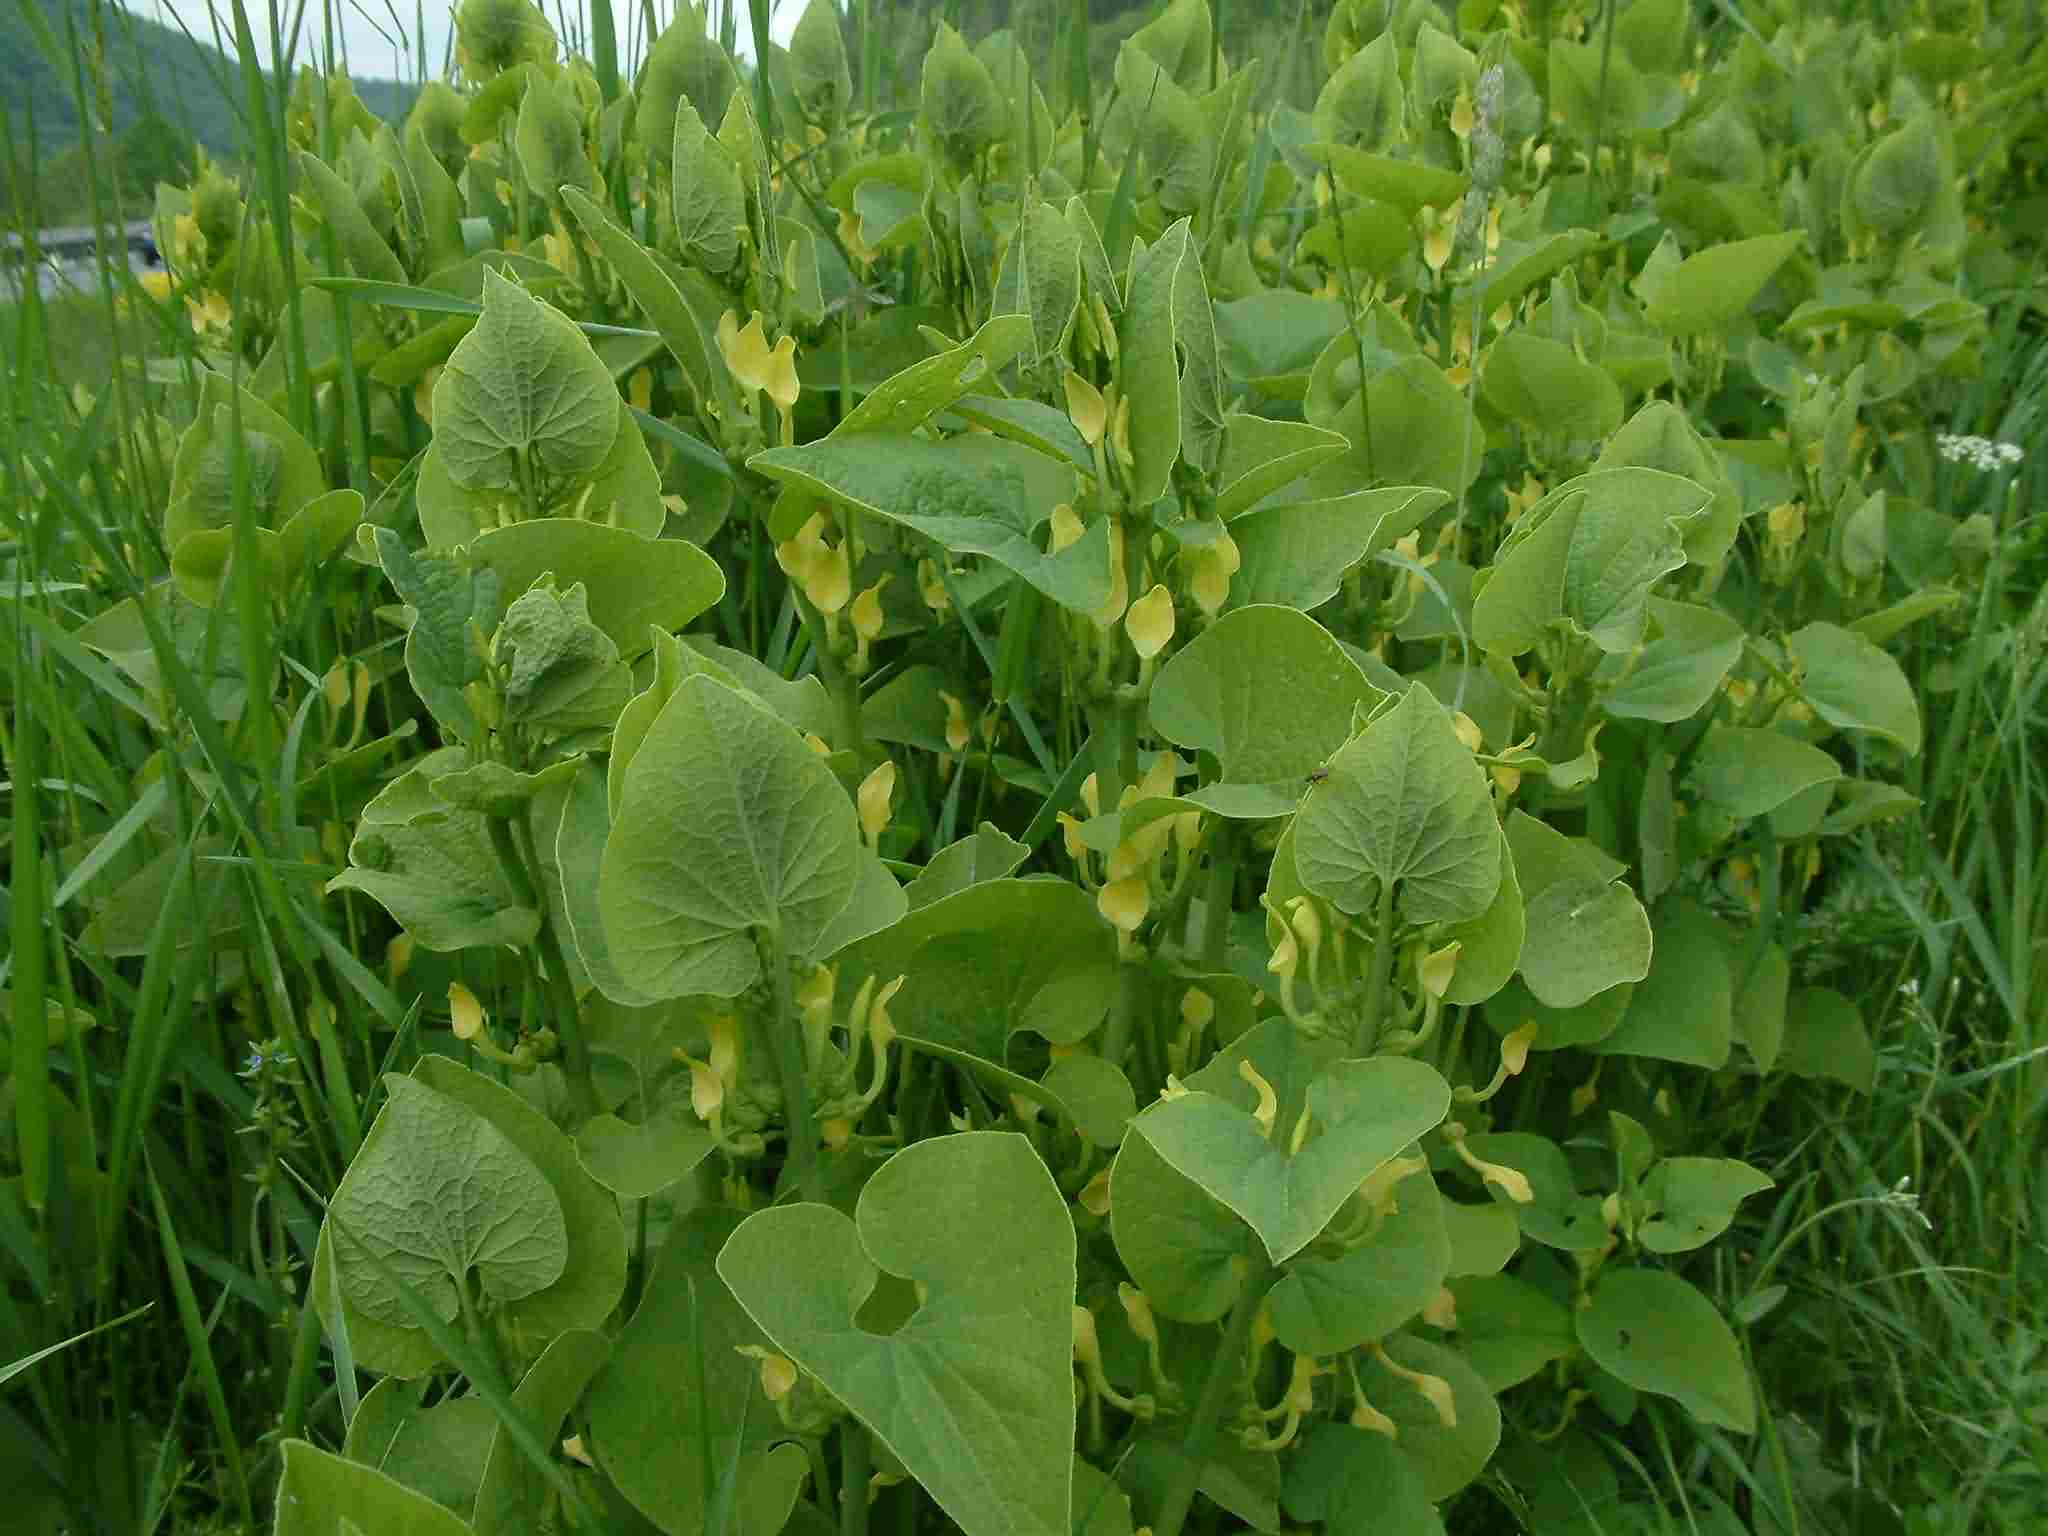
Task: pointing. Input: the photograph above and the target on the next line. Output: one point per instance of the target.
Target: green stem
(1130, 986)
(854, 1453)
(1216, 896)
(786, 1030)
(1223, 1372)
(841, 684)
(1382, 967)
(299, 1383)
(562, 994)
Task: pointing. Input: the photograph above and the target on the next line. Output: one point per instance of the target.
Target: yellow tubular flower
(1435, 969)
(932, 587)
(957, 735)
(1434, 1388)
(1511, 1182)
(1070, 835)
(803, 549)
(814, 1003)
(1364, 1415)
(1441, 1310)
(873, 801)
(1120, 434)
(1095, 1194)
(1377, 1188)
(1086, 408)
(867, 621)
(723, 1033)
(882, 1033)
(1269, 1101)
(398, 956)
(1066, 528)
(829, 581)
(1119, 597)
(1210, 567)
(707, 1093)
(1125, 902)
(778, 1372)
(755, 365)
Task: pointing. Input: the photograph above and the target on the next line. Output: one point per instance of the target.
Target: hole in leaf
(891, 1304)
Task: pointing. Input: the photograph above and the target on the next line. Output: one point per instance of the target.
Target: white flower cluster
(1978, 452)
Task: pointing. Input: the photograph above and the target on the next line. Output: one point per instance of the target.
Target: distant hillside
(152, 71)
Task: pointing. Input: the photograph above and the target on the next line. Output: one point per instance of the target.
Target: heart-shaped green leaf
(1658, 1334)
(727, 825)
(974, 1392)
(1587, 555)
(1449, 1456)
(1587, 932)
(1353, 1479)
(1508, 1329)
(1749, 771)
(990, 961)
(1217, 696)
(524, 388)
(1692, 1200)
(438, 1449)
(1181, 1244)
(1261, 456)
(975, 495)
(449, 1203)
(1405, 805)
(1296, 555)
(1361, 1113)
(321, 1494)
(1676, 671)
(1685, 1008)
(632, 582)
(1327, 1306)
(636, 1160)
(1855, 686)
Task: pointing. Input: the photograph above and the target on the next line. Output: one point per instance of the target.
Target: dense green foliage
(1217, 773)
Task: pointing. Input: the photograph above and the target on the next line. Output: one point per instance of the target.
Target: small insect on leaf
(1317, 775)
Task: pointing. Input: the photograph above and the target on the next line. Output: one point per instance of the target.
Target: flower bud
(466, 1014)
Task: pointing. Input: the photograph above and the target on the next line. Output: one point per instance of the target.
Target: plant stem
(1223, 1371)
(786, 1031)
(853, 1478)
(1216, 896)
(1130, 986)
(562, 995)
(1382, 967)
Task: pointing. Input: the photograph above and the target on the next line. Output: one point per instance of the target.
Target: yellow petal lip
(873, 800)
(867, 611)
(1125, 902)
(1150, 622)
(753, 363)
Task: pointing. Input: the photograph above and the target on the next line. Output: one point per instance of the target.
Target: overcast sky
(372, 36)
